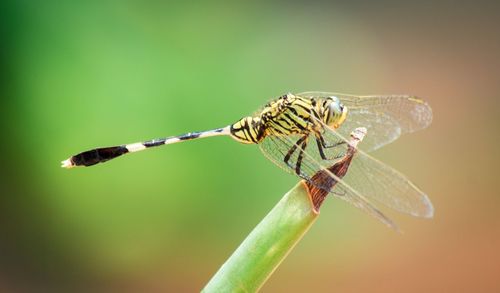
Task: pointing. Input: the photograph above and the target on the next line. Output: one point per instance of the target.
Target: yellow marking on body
(245, 134)
(287, 120)
(301, 121)
(342, 118)
(302, 103)
(302, 115)
(280, 128)
(326, 114)
(253, 133)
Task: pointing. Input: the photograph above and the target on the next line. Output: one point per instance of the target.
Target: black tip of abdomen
(99, 155)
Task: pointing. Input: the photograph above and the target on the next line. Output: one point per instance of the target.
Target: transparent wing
(367, 179)
(276, 147)
(385, 185)
(379, 182)
(385, 117)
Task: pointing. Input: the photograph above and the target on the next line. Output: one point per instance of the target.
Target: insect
(308, 132)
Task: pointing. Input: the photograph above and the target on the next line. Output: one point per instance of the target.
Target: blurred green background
(82, 74)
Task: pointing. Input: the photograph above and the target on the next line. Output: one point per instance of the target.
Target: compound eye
(336, 113)
(334, 99)
(335, 107)
(331, 114)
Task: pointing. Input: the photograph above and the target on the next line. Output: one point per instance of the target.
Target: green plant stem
(267, 245)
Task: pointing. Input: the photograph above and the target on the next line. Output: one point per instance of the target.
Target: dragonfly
(307, 133)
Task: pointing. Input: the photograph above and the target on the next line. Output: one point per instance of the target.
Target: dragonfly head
(335, 112)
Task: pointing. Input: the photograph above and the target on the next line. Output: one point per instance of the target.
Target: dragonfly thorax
(286, 115)
(290, 114)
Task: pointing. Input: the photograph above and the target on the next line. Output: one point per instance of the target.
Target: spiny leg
(320, 149)
(300, 157)
(321, 145)
(292, 150)
(326, 146)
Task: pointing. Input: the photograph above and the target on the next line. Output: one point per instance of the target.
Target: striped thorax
(290, 114)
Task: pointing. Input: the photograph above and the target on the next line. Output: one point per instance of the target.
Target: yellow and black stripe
(287, 115)
(248, 130)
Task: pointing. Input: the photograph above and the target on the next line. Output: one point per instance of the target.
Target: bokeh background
(81, 74)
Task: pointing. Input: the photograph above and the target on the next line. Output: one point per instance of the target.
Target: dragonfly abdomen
(101, 155)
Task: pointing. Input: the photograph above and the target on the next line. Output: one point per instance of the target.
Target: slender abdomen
(100, 155)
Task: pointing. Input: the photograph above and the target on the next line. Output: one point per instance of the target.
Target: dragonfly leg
(322, 145)
(320, 149)
(289, 154)
(326, 146)
(292, 150)
(299, 142)
(299, 159)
